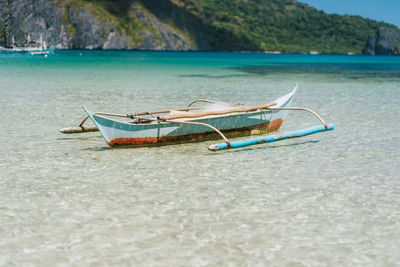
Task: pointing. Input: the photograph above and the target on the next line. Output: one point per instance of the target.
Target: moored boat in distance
(190, 124)
(33, 48)
(28, 50)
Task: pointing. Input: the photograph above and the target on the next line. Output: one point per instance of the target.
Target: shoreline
(311, 53)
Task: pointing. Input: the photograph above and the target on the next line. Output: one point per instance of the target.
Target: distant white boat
(42, 49)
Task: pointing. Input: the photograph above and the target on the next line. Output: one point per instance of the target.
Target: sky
(380, 10)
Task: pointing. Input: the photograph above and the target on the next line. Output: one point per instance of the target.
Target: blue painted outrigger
(271, 138)
(323, 127)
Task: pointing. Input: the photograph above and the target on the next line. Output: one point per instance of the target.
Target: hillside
(232, 25)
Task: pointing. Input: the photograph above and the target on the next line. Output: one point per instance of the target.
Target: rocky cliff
(21, 20)
(385, 42)
(234, 25)
(88, 25)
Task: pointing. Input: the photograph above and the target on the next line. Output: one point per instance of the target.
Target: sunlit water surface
(326, 199)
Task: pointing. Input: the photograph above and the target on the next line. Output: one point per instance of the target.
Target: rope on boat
(134, 115)
(81, 128)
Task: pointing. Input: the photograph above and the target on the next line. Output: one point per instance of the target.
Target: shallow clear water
(326, 199)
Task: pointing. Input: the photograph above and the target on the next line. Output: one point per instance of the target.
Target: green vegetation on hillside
(280, 25)
(233, 25)
(120, 13)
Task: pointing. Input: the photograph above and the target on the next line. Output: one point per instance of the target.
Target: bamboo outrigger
(191, 124)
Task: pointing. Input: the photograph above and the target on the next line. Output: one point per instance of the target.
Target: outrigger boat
(191, 124)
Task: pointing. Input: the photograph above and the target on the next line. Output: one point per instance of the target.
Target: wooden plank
(221, 112)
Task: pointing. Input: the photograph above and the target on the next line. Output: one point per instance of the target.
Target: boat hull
(117, 133)
(197, 137)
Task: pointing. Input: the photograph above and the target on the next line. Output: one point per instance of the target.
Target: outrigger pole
(273, 138)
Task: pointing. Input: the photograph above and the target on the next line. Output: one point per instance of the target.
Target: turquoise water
(326, 199)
